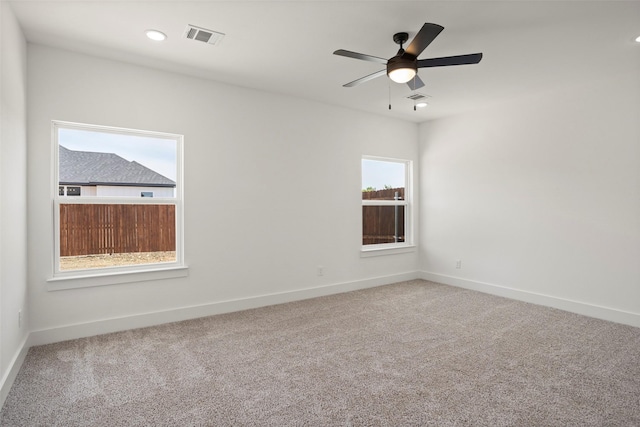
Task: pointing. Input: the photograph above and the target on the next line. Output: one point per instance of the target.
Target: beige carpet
(410, 354)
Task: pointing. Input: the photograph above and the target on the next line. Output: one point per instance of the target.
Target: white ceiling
(529, 47)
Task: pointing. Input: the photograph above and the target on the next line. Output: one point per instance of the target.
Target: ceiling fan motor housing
(400, 61)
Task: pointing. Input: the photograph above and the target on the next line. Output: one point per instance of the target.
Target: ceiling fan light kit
(400, 70)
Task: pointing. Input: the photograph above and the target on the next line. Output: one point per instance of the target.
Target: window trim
(66, 279)
(396, 247)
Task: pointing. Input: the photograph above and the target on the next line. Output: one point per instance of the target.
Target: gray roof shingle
(89, 168)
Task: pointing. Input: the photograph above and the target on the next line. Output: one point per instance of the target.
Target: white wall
(272, 186)
(540, 198)
(13, 208)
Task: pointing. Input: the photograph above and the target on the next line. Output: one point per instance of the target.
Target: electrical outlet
(320, 270)
(459, 264)
(19, 319)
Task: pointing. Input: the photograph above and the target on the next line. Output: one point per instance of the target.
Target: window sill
(87, 280)
(386, 250)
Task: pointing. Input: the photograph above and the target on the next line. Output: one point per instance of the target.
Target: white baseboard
(599, 312)
(14, 367)
(69, 332)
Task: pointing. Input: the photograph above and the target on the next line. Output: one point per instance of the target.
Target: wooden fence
(383, 224)
(386, 194)
(107, 229)
(88, 229)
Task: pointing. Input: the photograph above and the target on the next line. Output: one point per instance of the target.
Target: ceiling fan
(403, 67)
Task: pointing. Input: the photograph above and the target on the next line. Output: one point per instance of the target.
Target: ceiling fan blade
(366, 78)
(361, 56)
(425, 36)
(415, 83)
(472, 58)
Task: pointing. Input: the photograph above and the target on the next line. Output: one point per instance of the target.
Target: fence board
(116, 228)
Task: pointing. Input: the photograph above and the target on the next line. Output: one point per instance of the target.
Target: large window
(385, 203)
(117, 200)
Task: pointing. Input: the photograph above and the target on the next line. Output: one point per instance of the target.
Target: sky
(377, 174)
(157, 154)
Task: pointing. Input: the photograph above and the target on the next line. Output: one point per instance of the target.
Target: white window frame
(68, 279)
(396, 247)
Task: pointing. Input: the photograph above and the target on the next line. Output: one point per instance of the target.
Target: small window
(385, 202)
(114, 223)
(73, 191)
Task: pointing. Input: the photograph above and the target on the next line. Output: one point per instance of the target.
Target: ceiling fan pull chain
(389, 95)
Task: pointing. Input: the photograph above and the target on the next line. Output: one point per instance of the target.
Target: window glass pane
(382, 224)
(116, 235)
(383, 180)
(108, 164)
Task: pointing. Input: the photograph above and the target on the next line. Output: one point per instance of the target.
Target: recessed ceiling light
(156, 35)
(638, 39)
(421, 104)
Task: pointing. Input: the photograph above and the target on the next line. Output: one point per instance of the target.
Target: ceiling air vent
(203, 35)
(419, 100)
(417, 96)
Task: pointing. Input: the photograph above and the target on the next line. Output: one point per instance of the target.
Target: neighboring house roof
(89, 168)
